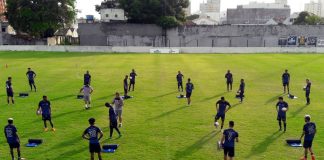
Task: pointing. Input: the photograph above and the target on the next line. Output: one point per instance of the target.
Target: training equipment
(109, 148)
(34, 142)
(238, 96)
(284, 109)
(39, 112)
(216, 124)
(127, 97)
(292, 96)
(294, 142)
(220, 145)
(23, 95)
(181, 96)
(80, 96)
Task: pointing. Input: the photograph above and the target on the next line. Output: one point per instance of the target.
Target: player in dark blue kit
(189, 89)
(125, 84)
(87, 78)
(282, 108)
(285, 80)
(132, 77)
(12, 138)
(112, 120)
(229, 80)
(221, 107)
(91, 134)
(31, 75)
(179, 78)
(308, 91)
(241, 90)
(309, 131)
(45, 107)
(228, 141)
(10, 92)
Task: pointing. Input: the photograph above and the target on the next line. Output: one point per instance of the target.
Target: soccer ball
(216, 124)
(304, 88)
(284, 109)
(39, 112)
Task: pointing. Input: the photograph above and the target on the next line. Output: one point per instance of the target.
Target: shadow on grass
(63, 97)
(233, 106)
(166, 94)
(271, 100)
(196, 146)
(294, 114)
(167, 113)
(212, 97)
(263, 146)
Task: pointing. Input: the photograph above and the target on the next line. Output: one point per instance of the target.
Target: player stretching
(87, 91)
(31, 75)
(189, 89)
(119, 103)
(308, 90)
(132, 77)
(228, 141)
(286, 80)
(87, 78)
(112, 120)
(91, 134)
(282, 108)
(10, 92)
(12, 138)
(179, 80)
(309, 132)
(221, 107)
(45, 107)
(229, 80)
(241, 90)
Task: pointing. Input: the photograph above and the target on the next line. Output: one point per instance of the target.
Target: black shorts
(229, 151)
(132, 82)
(10, 94)
(229, 82)
(281, 118)
(222, 116)
(285, 83)
(46, 117)
(307, 94)
(113, 123)
(188, 94)
(31, 81)
(14, 145)
(94, 148)
(308, 143)
(180, 84)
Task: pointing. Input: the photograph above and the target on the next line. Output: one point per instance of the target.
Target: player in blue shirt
(91, 134)
(228, 141)
(12, 138)
(10, 92)
(285, 80)
(229, 80)
(309, 131)
(31, 75)
(132, 77)
(45, 107)
(241, 90)
(221, 107)
(112, 120)
(87, 78)
(308, 91)
(179, 78)
(189, 89)
(282, 108)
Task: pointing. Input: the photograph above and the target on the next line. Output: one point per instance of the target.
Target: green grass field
(157, 125)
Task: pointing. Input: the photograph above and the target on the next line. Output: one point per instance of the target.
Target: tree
(40, 18)
(192, 17)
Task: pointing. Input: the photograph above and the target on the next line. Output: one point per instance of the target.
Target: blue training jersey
(285, 77)
(281, 105)
(222, 106)
(242, 87)
(112, 115)
(189, 87)
(46, 107)
(310, 130)
(179, 77)
(9, 86)
(92, 133)
(308, 87)
(229, 77)
(11, 134)
(31, 75)
(230, 135)
(132, 76)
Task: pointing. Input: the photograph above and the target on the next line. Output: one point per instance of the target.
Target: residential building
(281, 2)
(314, 7)
(210, 6)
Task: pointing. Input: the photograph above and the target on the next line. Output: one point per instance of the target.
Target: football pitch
(157, 125)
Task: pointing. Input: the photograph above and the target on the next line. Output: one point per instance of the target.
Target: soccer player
(241, 90)
(132, 77)
(229, 80)
(87, 78)
(286, 80)
(189, 89)
(87, 91)
(309, 132)
(179, 80)
(126, 87)
(10, 92)
(228, 141)
(31, 75)
(221, 107)
(45, 107)
(12, 138)
(308, 90)
(282, 108)
(91, 134)
(112, 120)
(118, 103)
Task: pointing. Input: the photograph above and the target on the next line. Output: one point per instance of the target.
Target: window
(116, 15)
(107, 15)
(3, 29)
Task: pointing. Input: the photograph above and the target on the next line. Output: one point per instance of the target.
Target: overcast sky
(88, 6)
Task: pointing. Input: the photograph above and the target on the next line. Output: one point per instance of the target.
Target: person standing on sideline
(91, 134)
(179, 78)
(126, 87)
(31, 75)
(87, 91)
(45, 107)
(229, 80)
(221, 107)
(132, 77)
(112, 120)
(87, 78)
(285, 80)
(189, 89)
(118, 103)
(10, 92)
(309, 131)
(308, 91)
(228, 141)
(241, 90)
(12, 138)
(282, 108)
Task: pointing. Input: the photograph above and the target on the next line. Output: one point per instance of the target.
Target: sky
(88, 6)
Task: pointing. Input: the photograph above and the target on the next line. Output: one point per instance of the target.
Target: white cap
(307, 116)
(10, 119)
